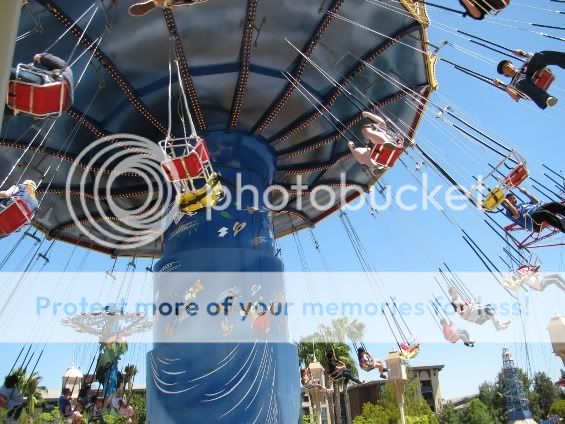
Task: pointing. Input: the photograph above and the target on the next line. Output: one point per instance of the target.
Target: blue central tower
(228, 365)
(518, 407)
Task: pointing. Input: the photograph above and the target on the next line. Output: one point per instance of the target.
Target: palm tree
(332, 337)
(130, 372)
(31, 388)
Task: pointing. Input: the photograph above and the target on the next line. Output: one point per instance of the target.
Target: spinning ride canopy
(232, 54)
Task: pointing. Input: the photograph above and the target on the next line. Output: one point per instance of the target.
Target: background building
(428, 376)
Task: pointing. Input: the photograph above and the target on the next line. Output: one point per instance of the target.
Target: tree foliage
(137, 402)
(386, 411)
(449, 415)
(546, 393)
(477, 413)
(558, 408)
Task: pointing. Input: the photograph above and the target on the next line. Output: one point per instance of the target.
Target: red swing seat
(188, 166)
(517, 176)
(39, 100)
(385, 157)
(14, 217)
(543, 78)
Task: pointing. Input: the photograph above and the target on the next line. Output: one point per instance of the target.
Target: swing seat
(384, 157)
(543, 78)
(494, 199)
(517, 176)
(205, 197)
(41, 101)
(336, 376)
(409, 351)
(189, 166)
(407, 355)
(14, 217)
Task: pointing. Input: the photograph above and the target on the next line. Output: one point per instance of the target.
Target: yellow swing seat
(494, 199)
(409, 354)
(204, 197)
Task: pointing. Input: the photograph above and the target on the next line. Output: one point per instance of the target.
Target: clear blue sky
(416, 241)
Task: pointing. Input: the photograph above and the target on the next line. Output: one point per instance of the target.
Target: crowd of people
(87, 405)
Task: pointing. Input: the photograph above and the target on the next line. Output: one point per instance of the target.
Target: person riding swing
(337, 369)
(453, 334)
(533, 79)
(379, 138)
(367, 363)
(531, 277)
(309, 382)
(534, 216)
(474, 312)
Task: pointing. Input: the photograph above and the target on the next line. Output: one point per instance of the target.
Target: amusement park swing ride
(272, 92)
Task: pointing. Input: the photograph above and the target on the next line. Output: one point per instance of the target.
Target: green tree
(376, 413)
(493, 395)
(310, 419)
(130, 372)
(477, 413)
(385, 410)
(546, 393)
(558, 408)
(449, 415)
(137, 402)
(29, 385)
(113, 418)
(33, 390)
(49, 417)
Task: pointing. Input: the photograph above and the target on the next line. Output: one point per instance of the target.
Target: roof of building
(460, 401)
(426, 367)
(73, 372)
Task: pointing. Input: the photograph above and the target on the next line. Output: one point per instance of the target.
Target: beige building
(308, 407)
(428, 376)
(370, 392)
